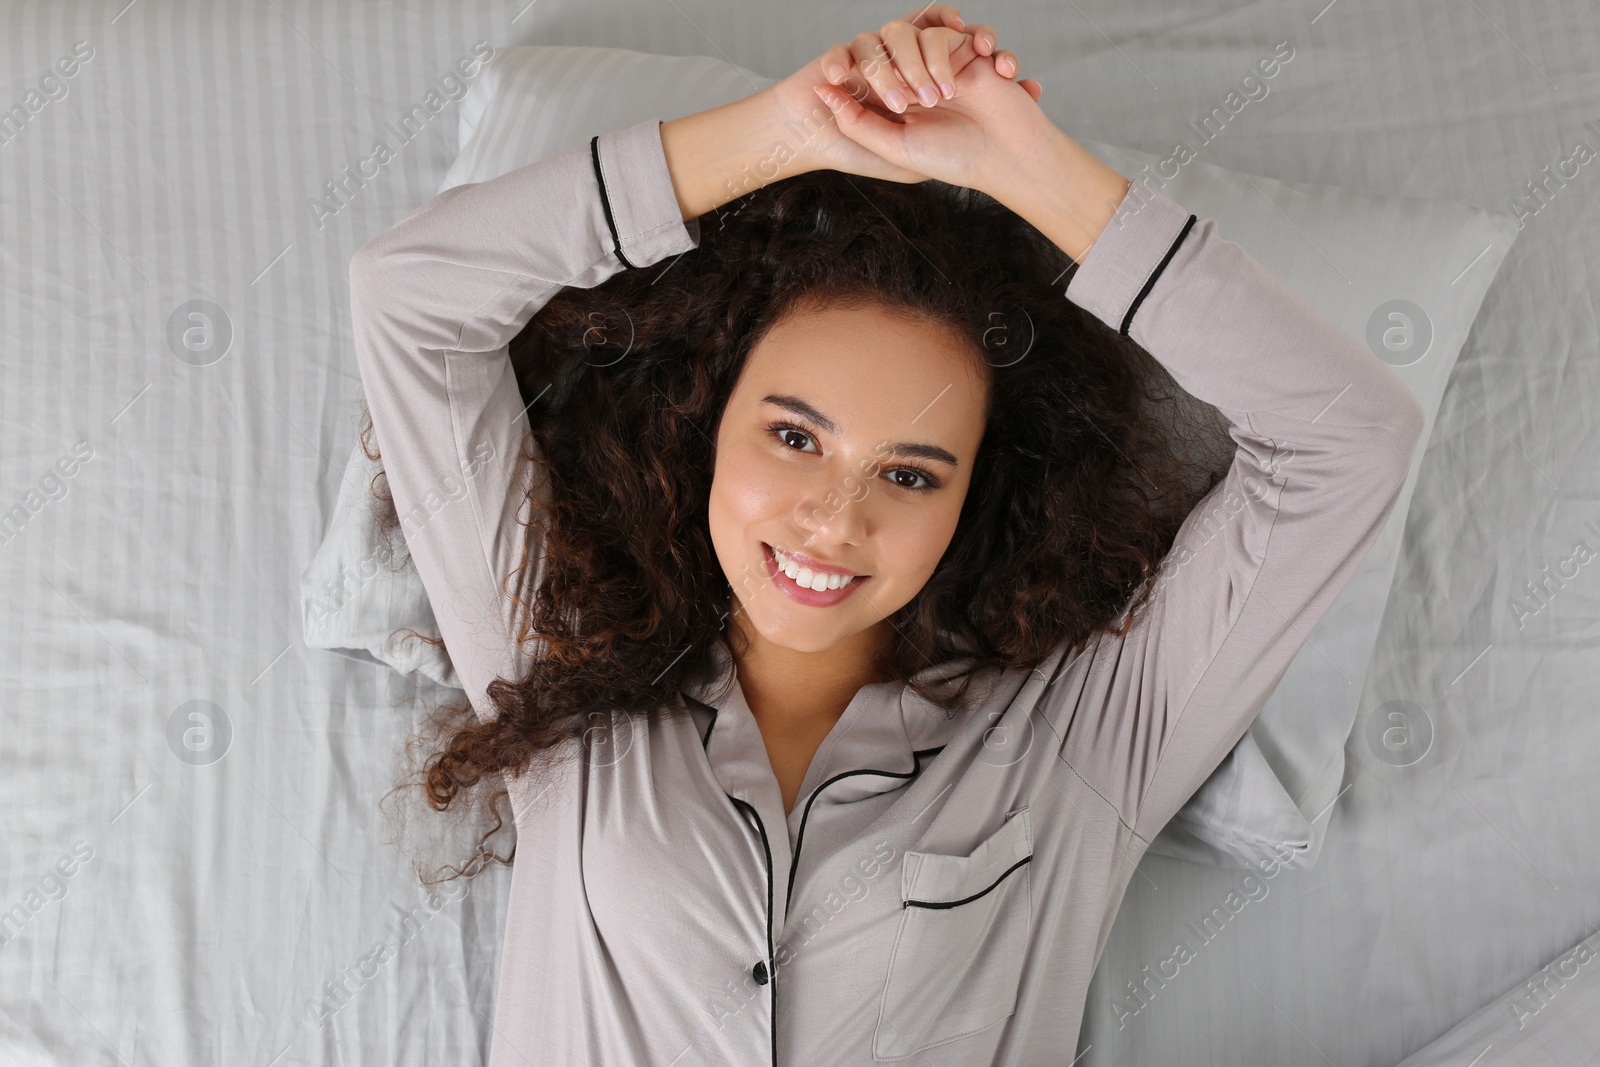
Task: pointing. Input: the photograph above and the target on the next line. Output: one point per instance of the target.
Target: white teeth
(803, 576)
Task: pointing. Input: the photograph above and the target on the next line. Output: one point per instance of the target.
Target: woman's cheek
(751, 498)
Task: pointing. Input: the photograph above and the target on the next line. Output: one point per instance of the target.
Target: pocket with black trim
(957, 959)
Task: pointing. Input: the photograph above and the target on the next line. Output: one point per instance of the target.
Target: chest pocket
(957, 959)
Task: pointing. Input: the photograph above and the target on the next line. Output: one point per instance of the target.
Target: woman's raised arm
(435, 301)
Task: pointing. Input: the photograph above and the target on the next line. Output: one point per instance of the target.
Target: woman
(763, 816)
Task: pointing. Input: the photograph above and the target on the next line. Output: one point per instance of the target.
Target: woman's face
(849, 440)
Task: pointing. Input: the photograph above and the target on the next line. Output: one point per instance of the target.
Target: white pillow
(361, 590)
(537, 100)
(1350, 253)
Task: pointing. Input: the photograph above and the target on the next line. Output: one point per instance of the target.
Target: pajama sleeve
(436, 300)
(1325, 434)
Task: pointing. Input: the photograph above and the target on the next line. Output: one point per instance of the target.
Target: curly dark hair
(1085, 471)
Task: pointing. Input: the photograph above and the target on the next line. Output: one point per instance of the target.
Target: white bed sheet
(210, 905)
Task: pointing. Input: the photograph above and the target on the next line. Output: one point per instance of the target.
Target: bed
(203, 866)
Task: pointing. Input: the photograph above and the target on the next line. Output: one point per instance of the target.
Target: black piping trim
(605, 200)
(800, 838)
(966, 900)
(705, 742)
(766, 850)
(772, 964)
(1149, 283)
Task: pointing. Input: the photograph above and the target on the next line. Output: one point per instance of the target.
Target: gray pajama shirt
(943, 888)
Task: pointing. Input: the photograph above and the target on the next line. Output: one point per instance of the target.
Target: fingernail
(948, 90)
(830, 98)
(896, 101)
(927, 96)
(990, 42)
(835, 72)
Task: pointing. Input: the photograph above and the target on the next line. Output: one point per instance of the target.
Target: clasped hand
(923, 97)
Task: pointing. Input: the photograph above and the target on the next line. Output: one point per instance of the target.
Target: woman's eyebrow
(915, 449)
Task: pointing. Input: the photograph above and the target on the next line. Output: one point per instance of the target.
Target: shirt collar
(883, 728)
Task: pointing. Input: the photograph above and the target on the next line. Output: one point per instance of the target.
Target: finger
(984, 39)
(874, 63)
(936, 47)
(903, 41)
(1035, 90)
(873, 132)
(936, 15)
(961, 53)
(836, 63)
(967, 48)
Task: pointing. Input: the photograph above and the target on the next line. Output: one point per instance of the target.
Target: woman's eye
(785, 432)
(914, 474)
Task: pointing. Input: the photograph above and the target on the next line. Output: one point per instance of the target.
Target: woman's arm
(1064, 192)
(435, 301)
(1325, 431)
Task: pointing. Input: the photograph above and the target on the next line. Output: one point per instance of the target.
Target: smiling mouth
(800, 563)
(804, 594)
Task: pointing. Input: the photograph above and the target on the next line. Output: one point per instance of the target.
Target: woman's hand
(786, 129)
(993, 137)
(980, 138)
(894, 74)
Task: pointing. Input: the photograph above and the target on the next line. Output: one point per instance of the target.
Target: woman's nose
(831, 517)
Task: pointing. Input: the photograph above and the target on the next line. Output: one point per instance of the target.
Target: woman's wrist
(1063, 190)
(721, 154)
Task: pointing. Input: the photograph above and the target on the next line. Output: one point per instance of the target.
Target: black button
(759, 972)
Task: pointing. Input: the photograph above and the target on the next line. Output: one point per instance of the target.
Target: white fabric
(1272, 796)
(361, 596)
(220, 899)
(1550, 1017)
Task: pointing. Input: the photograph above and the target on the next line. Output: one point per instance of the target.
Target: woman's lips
(817, 598)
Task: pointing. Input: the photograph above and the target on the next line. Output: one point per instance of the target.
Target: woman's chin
(798, 639)
(797, 636)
